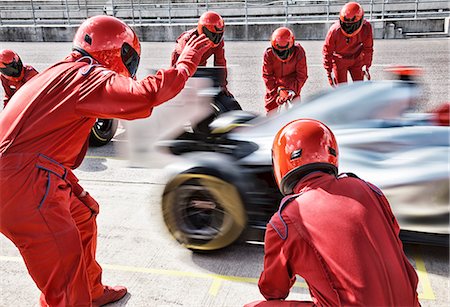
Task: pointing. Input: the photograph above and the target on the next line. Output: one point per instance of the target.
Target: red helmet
(212, 25)
(351, 19)
(300, 147)
(11, 65)
(111, 42)
(282, 41)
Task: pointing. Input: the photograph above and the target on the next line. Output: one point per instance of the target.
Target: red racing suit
(10, 86)
(218, 52)
(342, 54)
(340, 235)
(291, 74)
(42, 137)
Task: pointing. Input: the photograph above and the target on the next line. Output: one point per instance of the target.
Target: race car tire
(203, 212)
(219, 105)
(223, 103)
(102, 132)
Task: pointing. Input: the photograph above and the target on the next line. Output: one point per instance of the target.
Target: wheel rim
(199, 215)
(203, 212)
(102, 127)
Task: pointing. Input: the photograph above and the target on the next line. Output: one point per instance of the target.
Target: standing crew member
(212, 25)
(284, 69)
(43, 135)
(348, 46)
(337, 232)
(13, 73)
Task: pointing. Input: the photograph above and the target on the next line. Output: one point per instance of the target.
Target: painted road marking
(104, 157)
(218, 279)
(427, 292)
(215, 286)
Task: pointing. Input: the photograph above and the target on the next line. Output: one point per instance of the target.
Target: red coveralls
(291, 74)
(340, 235)
(218, 52)
(342, 53)
(43, 135)
(10, 87)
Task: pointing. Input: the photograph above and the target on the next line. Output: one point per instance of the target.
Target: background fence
(140, 12)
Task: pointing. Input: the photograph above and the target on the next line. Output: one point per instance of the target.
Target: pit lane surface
(135, 249)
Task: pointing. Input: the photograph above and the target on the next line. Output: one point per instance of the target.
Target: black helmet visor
(13, 69)
(214, 37)
(130, 59)
(350, 27)
(283, 54)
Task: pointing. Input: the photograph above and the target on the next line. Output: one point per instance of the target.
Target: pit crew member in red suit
(348, 46)
(43, 136)
(212, 25)
(336, 232)
(284, 68)
(13, 73)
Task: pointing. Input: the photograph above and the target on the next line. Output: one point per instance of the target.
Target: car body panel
(381, 139)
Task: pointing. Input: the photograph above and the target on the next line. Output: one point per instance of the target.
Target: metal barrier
(140, 12)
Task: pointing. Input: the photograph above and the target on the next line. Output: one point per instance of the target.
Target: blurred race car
(224, 183)
(103, 131)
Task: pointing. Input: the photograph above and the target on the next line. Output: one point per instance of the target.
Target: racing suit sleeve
(174, 58)
(269, 79)
(105, 94)
(180, 43)
(302, 73)
(29, 73)
(368, 46)
(8, 92)
(328, 50)
(276, 280)
(219, 60)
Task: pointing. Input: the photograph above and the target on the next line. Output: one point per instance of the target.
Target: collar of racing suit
(306, 182)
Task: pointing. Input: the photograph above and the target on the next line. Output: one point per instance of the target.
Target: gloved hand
(280, 100)
(89, 202)
(192, 53)
(285, 93)
(331, 79)
(366, 72)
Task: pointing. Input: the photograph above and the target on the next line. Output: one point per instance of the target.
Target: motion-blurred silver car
(225, 184)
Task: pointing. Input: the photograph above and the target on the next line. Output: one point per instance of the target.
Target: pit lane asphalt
(134, 246)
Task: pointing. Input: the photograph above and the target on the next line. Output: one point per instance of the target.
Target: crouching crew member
(13, 73)
(284, 69)
(348, 46)
(335, 231)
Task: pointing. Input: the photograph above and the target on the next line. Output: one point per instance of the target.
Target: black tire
(102, 132)
(222, 104)
(203, 212)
